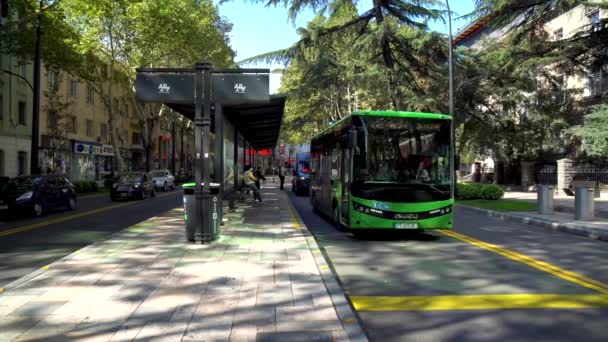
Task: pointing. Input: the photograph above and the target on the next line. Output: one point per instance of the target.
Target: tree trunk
(120, 163)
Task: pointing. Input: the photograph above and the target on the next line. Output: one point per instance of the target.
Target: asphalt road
(517, 272)
(28, 244)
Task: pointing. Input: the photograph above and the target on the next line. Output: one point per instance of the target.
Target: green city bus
(385, 170)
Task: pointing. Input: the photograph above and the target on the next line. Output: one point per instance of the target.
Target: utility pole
(34, 169)
(451, 95)
(173, 141)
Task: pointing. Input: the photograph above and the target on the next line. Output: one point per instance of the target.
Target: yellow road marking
(1, 289)
(479, 302)
(296, 223)
(45, 267)
(67, 218)
(535, 263)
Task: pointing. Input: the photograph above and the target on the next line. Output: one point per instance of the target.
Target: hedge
(472, 191)
(83, 187)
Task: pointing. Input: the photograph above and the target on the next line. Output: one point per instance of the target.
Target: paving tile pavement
(259, 281)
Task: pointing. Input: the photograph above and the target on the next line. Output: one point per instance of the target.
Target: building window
(558, 34)
(2, 163)
(89, 128)
(53, 79)
(136, 138)
(22, 70)
(126, 110)
(52, 120)
(597, 82)
(90, 94)
(103, 129)
(73, 88)
(116, 106)
(22, 120)
(21, 163)
(71, 124)
(594, 20)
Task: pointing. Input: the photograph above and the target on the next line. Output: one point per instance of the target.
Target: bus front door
(326, 186)
(345, 178)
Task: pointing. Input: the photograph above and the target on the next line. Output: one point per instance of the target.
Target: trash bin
(206, 226)
(545, 198)
(584, 203)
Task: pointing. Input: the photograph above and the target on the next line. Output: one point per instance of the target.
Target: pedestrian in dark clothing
(281, 176)
(259, 176)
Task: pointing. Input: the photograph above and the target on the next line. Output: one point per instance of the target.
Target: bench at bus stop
(583, 184)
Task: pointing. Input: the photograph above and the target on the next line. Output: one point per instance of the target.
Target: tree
(59, 115)
(593, 133)
(18, 34)
(392, 34)
(129, 34)
(345, 61)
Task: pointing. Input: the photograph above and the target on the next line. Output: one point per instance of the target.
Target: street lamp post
(451, 94)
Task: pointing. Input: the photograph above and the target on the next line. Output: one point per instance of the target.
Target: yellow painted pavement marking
(479, 302)
(535, 263)
(67, 218)
(296, 223)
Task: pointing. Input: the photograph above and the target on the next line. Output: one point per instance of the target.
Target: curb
(346, 314)
(574, 229)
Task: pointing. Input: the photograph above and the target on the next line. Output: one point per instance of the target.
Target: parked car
(301, 175)
(36, 195)
(163, 179)
(132, 185)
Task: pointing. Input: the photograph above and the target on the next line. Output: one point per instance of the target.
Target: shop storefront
(90, 161)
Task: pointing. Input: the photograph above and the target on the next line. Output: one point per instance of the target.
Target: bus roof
(386, 113)
(403, 114)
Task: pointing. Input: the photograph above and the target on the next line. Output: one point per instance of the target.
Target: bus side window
(336, 160)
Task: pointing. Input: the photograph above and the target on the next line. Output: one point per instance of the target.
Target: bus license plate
(406, 225)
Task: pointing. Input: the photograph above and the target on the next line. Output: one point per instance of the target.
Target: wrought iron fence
(545, 173)
(590, 172)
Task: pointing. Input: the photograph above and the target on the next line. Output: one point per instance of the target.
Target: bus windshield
(411, 152)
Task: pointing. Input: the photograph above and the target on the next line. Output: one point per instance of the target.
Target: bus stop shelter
(232, 113)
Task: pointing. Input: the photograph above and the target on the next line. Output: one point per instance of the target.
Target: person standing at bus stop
(259, 177)
(250, 182)
(281, 176)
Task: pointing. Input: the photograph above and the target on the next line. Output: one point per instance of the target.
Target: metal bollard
(584, 204)
(545, 199)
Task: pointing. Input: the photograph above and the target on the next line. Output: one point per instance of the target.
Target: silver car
(163, 179)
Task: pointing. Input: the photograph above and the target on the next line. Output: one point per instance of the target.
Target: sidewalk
(562, 219)
(265, 280)
(563, 203)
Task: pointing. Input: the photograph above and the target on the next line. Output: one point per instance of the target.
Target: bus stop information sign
(202, 86)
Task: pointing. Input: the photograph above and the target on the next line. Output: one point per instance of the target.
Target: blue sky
(258, 29)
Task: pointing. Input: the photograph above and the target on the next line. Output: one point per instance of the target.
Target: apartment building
(74, 130)
(593, 86)
(15, 116)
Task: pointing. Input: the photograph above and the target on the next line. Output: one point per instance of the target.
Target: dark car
(133, 185)
(301, 178)
(36, 195)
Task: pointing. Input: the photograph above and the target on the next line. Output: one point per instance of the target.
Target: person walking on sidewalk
(281, 176)
(259, 177)
(250, 182)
